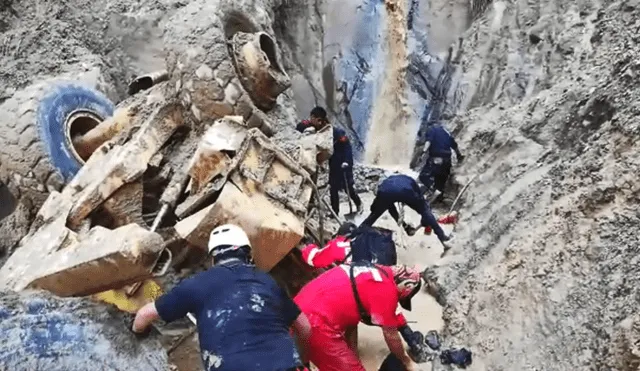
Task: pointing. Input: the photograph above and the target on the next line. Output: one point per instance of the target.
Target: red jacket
(335, 251)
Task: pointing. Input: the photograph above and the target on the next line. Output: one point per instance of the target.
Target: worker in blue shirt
(405, 190)
(341, 171)
(437, 168)
(243, 317)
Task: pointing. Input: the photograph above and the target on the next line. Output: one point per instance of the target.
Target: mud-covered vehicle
(103, 197)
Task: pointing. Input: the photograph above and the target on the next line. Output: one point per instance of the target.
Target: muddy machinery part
(257, 186)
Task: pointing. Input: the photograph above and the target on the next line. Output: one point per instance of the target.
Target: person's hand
(309, 130)
(138, 334)
(409, 366)
(345, 165)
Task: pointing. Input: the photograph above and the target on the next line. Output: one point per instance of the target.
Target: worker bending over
(243, 317)
(437, 168)
(404, 189)
(337, 300)
(317, 120)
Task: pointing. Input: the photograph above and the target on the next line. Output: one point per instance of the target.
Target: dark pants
(335, 185)
(385, 200)
(433, 174)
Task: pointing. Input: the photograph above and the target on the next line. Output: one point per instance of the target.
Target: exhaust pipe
(144, 82)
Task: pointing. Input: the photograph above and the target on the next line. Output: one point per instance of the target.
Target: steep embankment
(545, 272)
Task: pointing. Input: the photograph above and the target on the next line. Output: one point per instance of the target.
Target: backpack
(373, 245)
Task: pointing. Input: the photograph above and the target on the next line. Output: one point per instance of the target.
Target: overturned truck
(186, 153)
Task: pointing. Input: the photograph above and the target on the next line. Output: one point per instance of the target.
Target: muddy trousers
(335, 197)
(329, 349)
(435, 175)
(385, 201)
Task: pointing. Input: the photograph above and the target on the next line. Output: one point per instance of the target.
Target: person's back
(398, 183)
(330, 296)
(243, 318)
(441, 142)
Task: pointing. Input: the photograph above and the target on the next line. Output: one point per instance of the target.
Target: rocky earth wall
(545, 272)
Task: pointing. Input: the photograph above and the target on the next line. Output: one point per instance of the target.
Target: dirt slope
(545, 274)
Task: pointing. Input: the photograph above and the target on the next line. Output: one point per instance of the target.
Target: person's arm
(454, 146)
(394, 342)
(144, 317)
(176, 303)
(348, 155)
(302, 328)
(426, 147)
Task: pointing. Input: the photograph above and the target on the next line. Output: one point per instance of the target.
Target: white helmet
(228, 235)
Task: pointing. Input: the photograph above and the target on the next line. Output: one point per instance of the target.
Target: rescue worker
(243, 317)
(337, 300)
(366, 243)
(404, 189)
(437, 168)
(341, 171)
(336, 251)
(317, 120)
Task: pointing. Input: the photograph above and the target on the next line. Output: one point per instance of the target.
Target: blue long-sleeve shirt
(342, 151)
(441, 142)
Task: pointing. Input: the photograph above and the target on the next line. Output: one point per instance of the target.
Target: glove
(140, 335)
(309, 130)
(460, 158)
(459, 357)
(345, 165)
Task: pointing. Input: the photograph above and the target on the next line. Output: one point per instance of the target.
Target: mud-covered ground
(42, 332)
(544, 272)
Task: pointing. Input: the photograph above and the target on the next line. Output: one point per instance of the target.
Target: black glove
(460, 158)
(140, 335)
(459, 357)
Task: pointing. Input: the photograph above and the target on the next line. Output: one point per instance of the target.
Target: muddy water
(426, 315)
(390, 116)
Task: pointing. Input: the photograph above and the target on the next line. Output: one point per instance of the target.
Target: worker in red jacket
(337, 300)
(335, 251)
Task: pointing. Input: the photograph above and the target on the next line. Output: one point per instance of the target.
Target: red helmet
(408, 281)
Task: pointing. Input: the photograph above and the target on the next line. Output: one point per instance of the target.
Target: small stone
(204, 72)
(232, 93)
(224, 73)
(196, 113)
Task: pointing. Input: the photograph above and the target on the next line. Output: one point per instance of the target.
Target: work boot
(435, 196)
(451, 218)
(409, 229)
(447, 244)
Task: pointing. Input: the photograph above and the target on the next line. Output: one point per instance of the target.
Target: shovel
(351, 216)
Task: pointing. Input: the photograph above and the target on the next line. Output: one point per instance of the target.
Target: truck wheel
(42, 332)
(36, 151)
(69, 110)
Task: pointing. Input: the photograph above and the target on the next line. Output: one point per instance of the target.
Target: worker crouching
(243, 316)
(337, 300)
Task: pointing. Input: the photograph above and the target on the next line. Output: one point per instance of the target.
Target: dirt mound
(42, 332)
(545, 271)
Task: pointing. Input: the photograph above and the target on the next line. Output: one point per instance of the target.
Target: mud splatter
(257, 303)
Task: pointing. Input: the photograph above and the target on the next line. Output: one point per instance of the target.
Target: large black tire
(35, 151)
(41, 332)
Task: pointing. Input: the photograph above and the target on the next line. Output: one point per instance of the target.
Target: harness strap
(364, 316)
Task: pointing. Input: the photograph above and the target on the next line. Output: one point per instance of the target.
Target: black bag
(373, 245)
